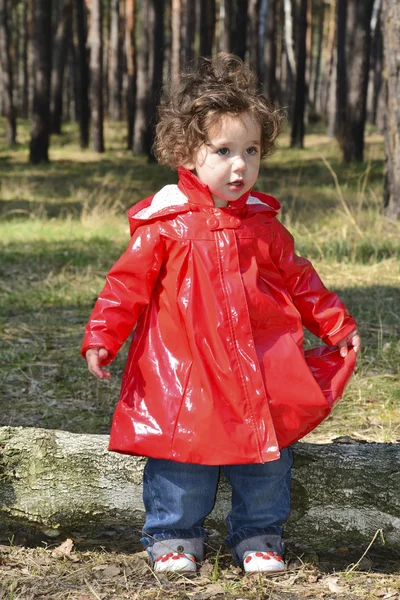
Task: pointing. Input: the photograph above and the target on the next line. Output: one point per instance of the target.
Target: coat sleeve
(128, 289)
(322, 311)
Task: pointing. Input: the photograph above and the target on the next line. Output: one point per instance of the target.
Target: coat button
(234, 221)
(212, 222)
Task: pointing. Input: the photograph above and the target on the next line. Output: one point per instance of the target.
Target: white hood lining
(171, 195)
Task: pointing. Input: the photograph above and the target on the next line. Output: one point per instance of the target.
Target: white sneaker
(175, 562)
(257, 562)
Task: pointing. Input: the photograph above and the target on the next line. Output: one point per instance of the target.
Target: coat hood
(191, 194)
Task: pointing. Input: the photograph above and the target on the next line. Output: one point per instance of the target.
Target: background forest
(80, 84)
(326, 61)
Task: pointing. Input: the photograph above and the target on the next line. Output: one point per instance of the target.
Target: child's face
(230, 159)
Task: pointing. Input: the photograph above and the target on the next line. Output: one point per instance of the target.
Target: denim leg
(177, 498)
(260, 505)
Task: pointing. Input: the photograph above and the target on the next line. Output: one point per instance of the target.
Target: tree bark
(96, 75)
(115, 66)
(42, 46)
(297, 136)
(24, 81)
(143, 82)
(57, 483)
(252, 33)
(82, 99)
(156, 43)
(176, 24)
(61, 46)
(188, 32)
(7, 73)
(391, 37)
(240, 30)
(225, 25)
(207, 26)
(354, 40)
(270, 51)
(130, 48)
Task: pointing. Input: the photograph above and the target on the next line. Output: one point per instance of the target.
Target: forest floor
(62, 225)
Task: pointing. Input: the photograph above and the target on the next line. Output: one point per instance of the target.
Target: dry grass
(27, 574)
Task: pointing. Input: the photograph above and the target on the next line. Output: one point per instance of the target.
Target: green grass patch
(62, 226)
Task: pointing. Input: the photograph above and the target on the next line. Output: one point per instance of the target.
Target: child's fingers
(94, 357)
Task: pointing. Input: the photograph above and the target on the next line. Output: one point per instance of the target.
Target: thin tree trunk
(130, 46)
(188, 32)
(207, 26)
(314, 95)
(156, 43)
(115, 67)
(391, 40)
(225, 24)
(144, 78)
(354, 39)
(7, 73)
(96, 75)
(61, 46)
(240, 35)
(42, 45)
(297, 136)
(83, 109)
(252, 33)
(24, 85)
(289, 37)
(176, 22)
(270, 51)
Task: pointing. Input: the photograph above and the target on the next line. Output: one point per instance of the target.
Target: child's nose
(239, 164)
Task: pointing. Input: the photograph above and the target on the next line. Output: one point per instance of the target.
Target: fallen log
(56, 483)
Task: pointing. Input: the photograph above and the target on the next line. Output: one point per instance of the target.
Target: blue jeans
(179, 496)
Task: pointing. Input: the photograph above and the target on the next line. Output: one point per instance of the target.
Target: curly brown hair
(217, 86)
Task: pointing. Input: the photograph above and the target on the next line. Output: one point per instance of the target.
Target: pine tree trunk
(270, 51)
(314, 95)
(188, 32)
(176, 24)
(130, 49)
(96, 75)
(42, 46)
(58, 483)
(252, 33)
(225, 24)
(156, 43)
(115, 67)
(143, 82)
(7, 73)
(61, 46)
(391, 40)
(240, 30)
(297, 136)
(207, 26)
(24, 86)
(354, 40)
(82, 99)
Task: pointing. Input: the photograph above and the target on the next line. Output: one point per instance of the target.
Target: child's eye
(223, 151)
(252, 150)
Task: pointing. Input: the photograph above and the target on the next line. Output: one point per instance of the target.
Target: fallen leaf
(63, 550)
(111, 571)
(206, 568)
(210, 591)
(390, 594)
(333, 586)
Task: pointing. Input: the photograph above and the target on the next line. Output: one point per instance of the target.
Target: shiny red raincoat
(216, 372)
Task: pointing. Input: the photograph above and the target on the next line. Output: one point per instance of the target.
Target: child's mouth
(236, 185)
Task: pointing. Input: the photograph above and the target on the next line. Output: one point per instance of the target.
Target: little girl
(216, 375)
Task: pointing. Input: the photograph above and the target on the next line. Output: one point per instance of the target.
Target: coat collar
(199, 195)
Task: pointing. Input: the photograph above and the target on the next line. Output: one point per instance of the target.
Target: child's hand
(94, 356)
(353, 340)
